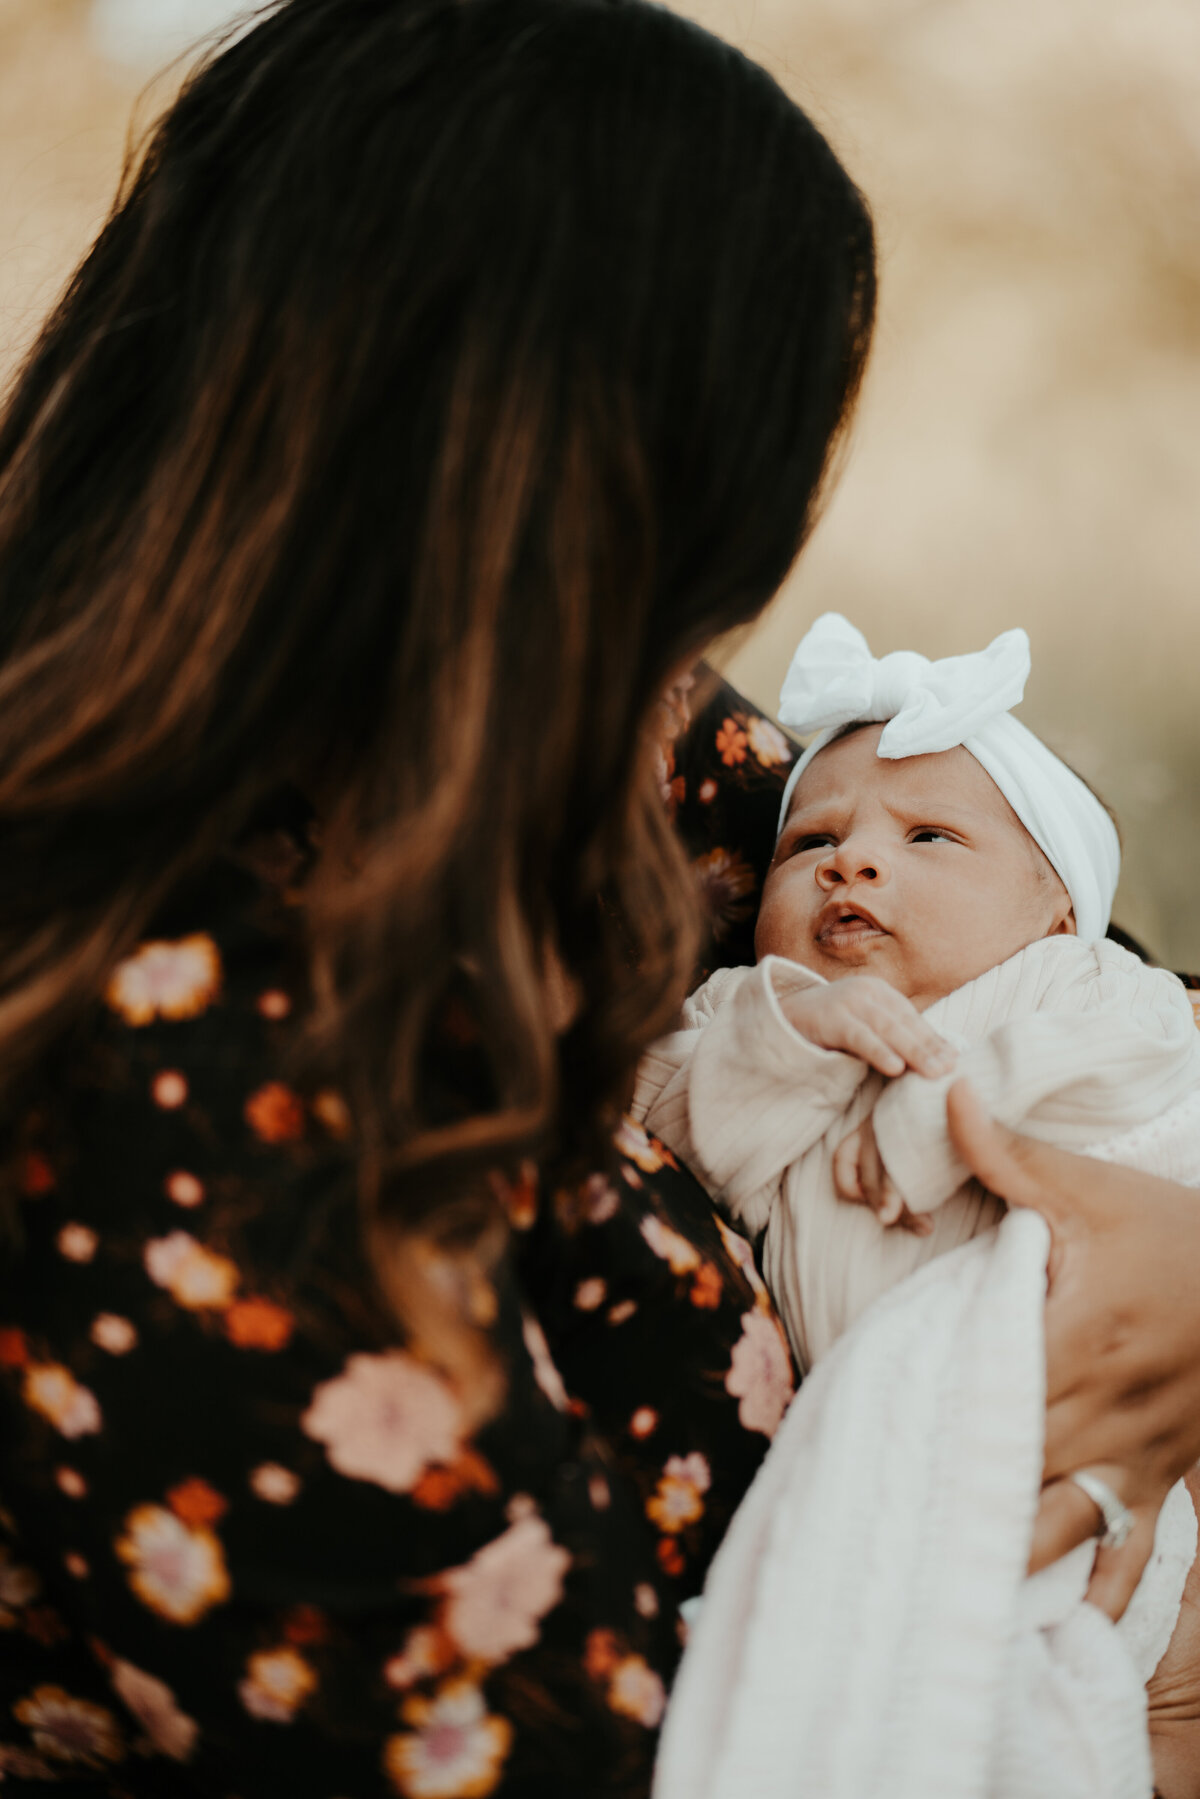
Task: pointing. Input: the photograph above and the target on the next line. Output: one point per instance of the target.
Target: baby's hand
(860, 1176)
(870, 1020)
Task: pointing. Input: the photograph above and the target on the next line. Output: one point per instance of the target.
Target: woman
(445, 378)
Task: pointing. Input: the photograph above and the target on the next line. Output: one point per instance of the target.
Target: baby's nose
(848, 863)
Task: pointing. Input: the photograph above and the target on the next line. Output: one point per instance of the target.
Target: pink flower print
(678, 1499)
(768, 744)
(645, 1600)
(385, 1418)
(274, 1003)
(666, 1242)
(76, 1565)
(154, 1706)
(166, 980)
(590, 1294)
(70, 1730)
(455, 1748)
(77, 1243)
(545, 1372)
(600, 1201)
(496, 1601)
(760, 1374)
(191, 1274)
(276, 1684)
(644, 1422)
(183, 1189)
(113, 1333)
(274, 1484)
(637, 1692)
(427, 1651)
(624, 1308)
(169, 1090)
(52, 1390)
(176, 1569)
(70, 1482)
(706, 793)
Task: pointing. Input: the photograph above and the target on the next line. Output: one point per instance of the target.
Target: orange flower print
(760, 1374)
(644, 1422)
(274, 1484)
(496, 1601)
(176, 1570)
(36, 1176)
(622, 1311)
(169, 1089)
(70, 1482)
(332, 1114)
(600, 1199)
(678, 1499)
(166, 980)
(706, 1289)
(665, 1241)
(276, 1684)
(306, 1624)
(441, 1485)
(670, 1556)
(731, 743)
(601, 1653)
(385, 1418)
(52, 1390)
(274, 1003)
(154, 1706)
(14, 1347)
(275, 1114)
(258, 1324)
(725, 883)
(70, 1730)
(770, 747)
(634, 1141)
(637, 1692)
(184, 1189)
(590, 1294)
(455, 1748)
(77, 1243)
(196, 1502)
(113, 1334)
(707, 791)
(191, 1274)
(76, 1565)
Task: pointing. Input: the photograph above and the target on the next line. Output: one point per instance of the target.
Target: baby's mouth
(845, 926)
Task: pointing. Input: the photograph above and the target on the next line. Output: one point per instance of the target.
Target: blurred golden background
(1028, 449)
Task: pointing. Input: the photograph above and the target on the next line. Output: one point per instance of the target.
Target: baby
(936, 907)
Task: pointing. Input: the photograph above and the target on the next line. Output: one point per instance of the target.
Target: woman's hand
(1173, 1694)
(1122, 1335)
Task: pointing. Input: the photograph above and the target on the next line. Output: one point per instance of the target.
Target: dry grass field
(1028, 450)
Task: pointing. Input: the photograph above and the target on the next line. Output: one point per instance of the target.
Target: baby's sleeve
(739, 1093)
(1116, 1047)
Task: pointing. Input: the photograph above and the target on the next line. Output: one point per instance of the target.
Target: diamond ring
(1118, 1519)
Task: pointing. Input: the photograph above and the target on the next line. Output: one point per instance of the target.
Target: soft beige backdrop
(1028, 451)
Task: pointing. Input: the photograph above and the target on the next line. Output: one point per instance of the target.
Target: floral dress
(251, 1545)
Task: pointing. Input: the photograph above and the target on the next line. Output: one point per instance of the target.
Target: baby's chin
(877, 954)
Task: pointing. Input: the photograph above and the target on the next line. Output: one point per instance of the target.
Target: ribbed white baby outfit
(867, 1631)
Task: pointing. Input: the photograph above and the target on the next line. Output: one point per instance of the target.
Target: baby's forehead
(849, 769)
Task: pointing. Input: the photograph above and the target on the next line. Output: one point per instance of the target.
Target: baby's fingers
(847, 1183)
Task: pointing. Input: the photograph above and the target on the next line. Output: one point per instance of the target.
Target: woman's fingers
(1117, 1571)
(1019, 1169)
(1065, 1518)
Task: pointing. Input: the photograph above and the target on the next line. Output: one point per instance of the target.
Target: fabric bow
(834, 680)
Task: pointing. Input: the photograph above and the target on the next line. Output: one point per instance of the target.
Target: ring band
(1118, 1519)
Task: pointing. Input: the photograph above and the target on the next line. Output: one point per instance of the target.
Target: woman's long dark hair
(448, 373)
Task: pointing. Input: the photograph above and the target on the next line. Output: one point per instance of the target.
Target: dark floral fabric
(252, 1544)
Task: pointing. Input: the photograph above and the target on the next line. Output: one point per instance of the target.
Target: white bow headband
(931, 706)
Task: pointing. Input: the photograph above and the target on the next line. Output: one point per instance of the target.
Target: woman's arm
(1122, 1334)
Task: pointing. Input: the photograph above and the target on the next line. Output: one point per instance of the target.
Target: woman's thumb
(1018, 1169)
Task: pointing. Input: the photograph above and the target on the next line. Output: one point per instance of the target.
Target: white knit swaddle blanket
(866, 1630)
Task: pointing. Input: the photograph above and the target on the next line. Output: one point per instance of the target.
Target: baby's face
(917, 871)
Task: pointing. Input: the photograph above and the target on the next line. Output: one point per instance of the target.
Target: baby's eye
(813, 841)
(932, 834)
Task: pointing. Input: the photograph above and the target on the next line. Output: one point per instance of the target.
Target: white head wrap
(931, 706)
